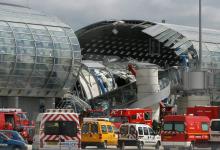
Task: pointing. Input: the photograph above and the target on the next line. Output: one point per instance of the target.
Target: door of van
(152, 136)
(146, 136)
(86, 132)
(112, 137)
(105, 135)
(94, 132)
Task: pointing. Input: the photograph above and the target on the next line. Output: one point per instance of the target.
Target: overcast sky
(80, 13)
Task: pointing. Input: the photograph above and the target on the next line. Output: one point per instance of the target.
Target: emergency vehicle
(16, 119)
(213, 112)
(57, 129)
(138, 115)
(184, 131)
(98, 132)
(139, 135)
(215, 134)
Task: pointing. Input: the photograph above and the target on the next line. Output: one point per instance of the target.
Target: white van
(139, 135)
(57, 129)
(215, 134)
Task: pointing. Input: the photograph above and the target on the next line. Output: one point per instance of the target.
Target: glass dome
(37, 53)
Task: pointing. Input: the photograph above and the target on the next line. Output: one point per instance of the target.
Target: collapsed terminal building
(173, 48)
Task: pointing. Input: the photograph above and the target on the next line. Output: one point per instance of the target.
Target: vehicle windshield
(124, 130)
(118, 119)
(96, 114)
(215, 126)
(13, 135)
(68, 128)
(174, 126)
(22, 116)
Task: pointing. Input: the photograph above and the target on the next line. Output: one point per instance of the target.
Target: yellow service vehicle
(98, 132)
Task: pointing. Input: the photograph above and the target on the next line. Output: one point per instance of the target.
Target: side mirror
(78, 130)
(211, 127)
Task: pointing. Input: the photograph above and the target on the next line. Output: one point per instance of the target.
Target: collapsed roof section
(161, 44)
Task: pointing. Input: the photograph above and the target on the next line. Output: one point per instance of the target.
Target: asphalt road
(127, 147)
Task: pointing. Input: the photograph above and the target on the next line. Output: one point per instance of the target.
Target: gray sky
(80, 13)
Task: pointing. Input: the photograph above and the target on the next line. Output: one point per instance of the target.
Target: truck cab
(16, 119)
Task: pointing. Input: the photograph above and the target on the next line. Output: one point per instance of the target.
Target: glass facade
(36, 59)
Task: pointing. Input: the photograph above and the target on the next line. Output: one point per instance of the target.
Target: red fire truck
(16, 119)
(138, 115)
(213, 112)
(185, 131)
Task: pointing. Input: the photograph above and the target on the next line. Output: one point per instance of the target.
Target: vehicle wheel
(157, 147)
(103, 145)
(121, 145)
(166, 148)
(213, 147)
(16, 148)
(191, 147)
(140, 146)
(83, 146)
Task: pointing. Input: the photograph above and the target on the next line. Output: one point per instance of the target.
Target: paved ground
(127, 147)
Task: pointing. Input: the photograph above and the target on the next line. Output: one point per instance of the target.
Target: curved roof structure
(162, 44)
(37, 53)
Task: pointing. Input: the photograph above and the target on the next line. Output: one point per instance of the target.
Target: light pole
(200, 35)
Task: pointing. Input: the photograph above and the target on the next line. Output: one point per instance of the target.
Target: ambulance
(136, 115)
(57, 129)
(185, 131)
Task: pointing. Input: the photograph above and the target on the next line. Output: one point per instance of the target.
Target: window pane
(205, 127)
(45, 60)
(147, 116)
(26, 51)
(151, 131)
(7, 50)
(64, 54)
(132, 130)
(23, 36)
(44, 45)
(94, 128)
(140, 130)
(42, 38)
(60, 39)
(110, 129)
(64, 61)
(168, 127)
(7, 41)
(215, 126)
(124, 130)
(85, 128)
(145, 131)
(21, 30)
(25, 58)
(25, 43)
(45, 52)
(104, 129)
(179, 127)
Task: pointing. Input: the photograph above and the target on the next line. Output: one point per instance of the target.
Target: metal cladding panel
(194, 81)
(36, 60)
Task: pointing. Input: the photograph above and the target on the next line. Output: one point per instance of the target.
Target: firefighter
(155, 126)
